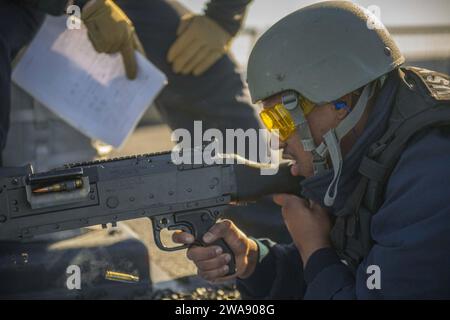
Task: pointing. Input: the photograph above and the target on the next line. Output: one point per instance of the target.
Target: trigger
(180, 227)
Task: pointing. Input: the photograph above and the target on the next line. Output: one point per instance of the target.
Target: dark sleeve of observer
(229, 14)
(52, 7)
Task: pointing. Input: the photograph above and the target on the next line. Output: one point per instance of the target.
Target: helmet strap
(333, 137)
(291, 103)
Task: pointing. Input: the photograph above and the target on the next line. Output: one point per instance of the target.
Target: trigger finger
(182, 237)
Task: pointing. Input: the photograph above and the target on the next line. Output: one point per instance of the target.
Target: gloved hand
(200, 43)
(110, 31)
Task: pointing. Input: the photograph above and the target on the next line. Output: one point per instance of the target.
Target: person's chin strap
(331, 139)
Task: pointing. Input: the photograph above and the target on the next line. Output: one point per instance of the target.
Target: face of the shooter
(321, 119)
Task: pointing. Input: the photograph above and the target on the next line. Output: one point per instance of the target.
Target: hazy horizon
(263, 13)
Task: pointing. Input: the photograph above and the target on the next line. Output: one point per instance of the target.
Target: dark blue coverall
(411, 230)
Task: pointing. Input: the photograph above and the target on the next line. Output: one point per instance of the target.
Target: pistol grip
(227, 249)
(201, 227)
(195, 222)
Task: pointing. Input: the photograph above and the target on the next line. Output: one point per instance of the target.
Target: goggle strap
(306, 137)
(303, 129)
(290, 101)
(298, 116)
(308, 144)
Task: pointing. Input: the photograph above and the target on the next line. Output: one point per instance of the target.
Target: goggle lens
(278, 118)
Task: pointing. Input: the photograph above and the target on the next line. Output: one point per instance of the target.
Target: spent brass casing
(122, 277)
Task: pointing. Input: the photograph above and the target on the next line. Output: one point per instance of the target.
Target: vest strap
(373, 170)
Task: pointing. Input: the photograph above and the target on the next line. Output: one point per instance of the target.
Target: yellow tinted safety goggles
(278, 118)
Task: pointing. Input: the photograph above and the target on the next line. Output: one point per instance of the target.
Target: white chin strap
(331, 139)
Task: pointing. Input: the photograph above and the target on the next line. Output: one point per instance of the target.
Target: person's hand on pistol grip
(211, 262)
(110, 31)
(200, 43)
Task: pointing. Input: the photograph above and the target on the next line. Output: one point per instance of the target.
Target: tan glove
(110, 31)
(200, 43)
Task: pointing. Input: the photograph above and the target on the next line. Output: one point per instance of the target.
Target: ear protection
(339, 105)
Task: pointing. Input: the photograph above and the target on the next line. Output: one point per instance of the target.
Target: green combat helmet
(321, 53)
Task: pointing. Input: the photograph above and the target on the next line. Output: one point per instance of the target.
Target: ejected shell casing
(121, 277)
(62, 186)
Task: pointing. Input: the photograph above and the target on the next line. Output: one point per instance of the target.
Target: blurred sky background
(394, 13)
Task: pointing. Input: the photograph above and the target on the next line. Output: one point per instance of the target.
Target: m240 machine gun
(177, 197)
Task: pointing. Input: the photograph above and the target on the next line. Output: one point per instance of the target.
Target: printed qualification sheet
(88, 90)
